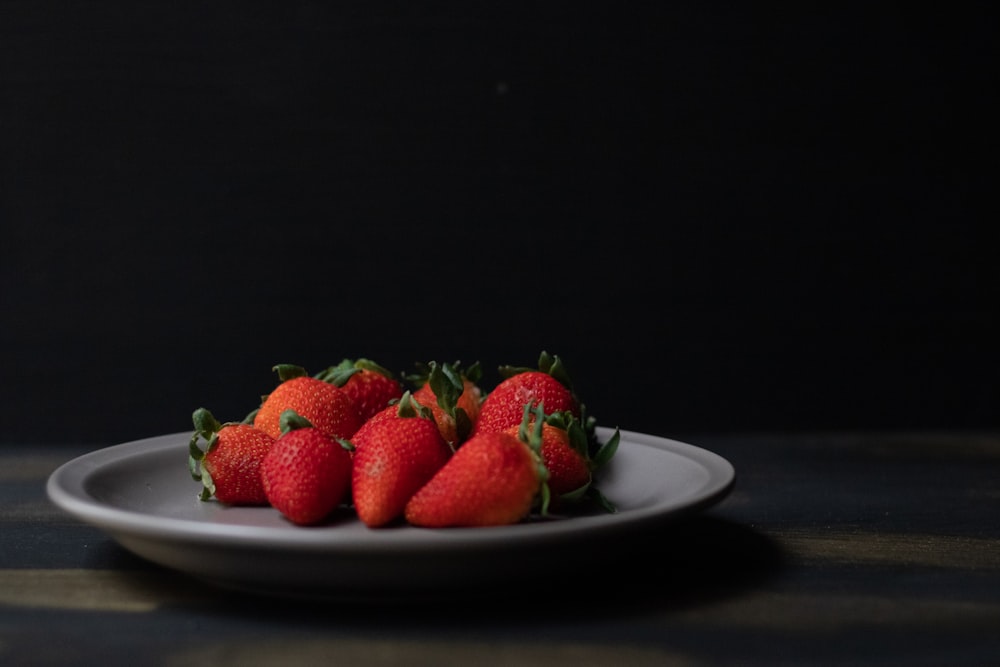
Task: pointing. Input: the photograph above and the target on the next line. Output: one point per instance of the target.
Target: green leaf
(338, 375)
(473, 373)
(607, 450)
(545, 361)
(576, 495)
(208, 486)
(411, 407)
(530, 428)
(546, 498)
(447, 385)
(290, 420)
(205, 422)
(554, 366)
(195, 456)
(419, 377)
(288, 371)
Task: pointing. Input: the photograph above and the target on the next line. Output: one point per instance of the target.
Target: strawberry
(229, 466)
(549, 384)
(453, 396)
(388, 412)
(327, 407)
(369, 385)
(307, 473)
(565, 451)
(566, 461)
(395, 453)
(493, 479)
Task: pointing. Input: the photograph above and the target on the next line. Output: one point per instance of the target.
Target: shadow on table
(690, 562)
(695, 561)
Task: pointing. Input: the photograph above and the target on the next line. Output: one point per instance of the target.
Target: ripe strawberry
(549, 384)
(453, 396)
(566, 461)
(229, 466)
(307, 473)
(327, 407)
(369, 385)
(394, 455)
(492, 479)
(565, 451)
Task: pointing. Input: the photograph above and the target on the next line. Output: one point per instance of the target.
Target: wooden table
(832, 549)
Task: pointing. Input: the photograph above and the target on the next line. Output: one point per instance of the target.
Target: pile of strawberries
(444, 453)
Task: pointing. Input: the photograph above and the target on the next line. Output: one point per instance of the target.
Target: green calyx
(568, 422)
(596, 454)
(339, 375)
(591, 493)
(547, 363)
(599, 458)
(447, 381)
(407, 406)
(290, 420)
(289, 371)
(606, 450)
(582, 438)
(422, 375)
(530, 433)
(206, 428)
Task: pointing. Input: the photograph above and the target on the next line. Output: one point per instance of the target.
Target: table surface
(832, 548)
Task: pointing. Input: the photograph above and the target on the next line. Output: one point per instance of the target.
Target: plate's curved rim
(66, 488)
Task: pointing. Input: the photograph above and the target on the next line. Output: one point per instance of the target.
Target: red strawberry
(492, 479)
(566, 452)
(307, 473)
(393, 457)
(569, 469)
(549, 384)
(229, 466)
(388, 412)
(453, 396)
(327, 407)
(369, 385)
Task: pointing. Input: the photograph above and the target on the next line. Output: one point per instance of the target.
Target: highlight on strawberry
(549, 383)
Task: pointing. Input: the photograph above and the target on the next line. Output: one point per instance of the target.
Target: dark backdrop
(721, 216)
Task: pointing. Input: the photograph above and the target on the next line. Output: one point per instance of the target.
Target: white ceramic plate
(142, 495)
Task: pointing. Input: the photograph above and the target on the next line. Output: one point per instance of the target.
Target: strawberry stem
(411, 407)
(288, 371)
(206, 427)
(291, 420)
(530, 432)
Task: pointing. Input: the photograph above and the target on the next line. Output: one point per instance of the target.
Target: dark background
(721, 216)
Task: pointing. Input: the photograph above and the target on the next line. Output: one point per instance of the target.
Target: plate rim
(66, 488)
